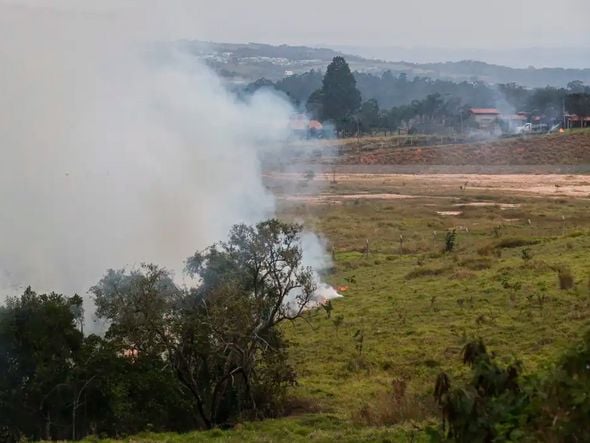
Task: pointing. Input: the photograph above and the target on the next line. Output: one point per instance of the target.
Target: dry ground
(336, 187)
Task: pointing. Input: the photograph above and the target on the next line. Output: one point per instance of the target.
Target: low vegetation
(366, 367)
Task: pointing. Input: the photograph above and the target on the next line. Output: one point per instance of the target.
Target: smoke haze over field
(114, 153)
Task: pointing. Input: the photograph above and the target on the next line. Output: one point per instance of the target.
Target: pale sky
(498, 24)
(482, 24)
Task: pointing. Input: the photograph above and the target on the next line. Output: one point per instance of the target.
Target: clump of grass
(525, 254)
(486, 250)
(489, 250)
(395, 406)
(565, 277)
(428, 271)
(507, 243)
(537, 266)
(476, 264)
(463, 274)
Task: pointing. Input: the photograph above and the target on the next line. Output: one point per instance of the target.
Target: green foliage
(339, 97)
(221, 338)
(56, 384)
(488, 407)
(450, 239)
(39, 343)
(578, 103)
(172, 358)
(369, 116)
(498, 404)
(561, 402)
(405, 336)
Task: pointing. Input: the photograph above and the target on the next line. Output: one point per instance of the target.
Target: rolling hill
(249, 62)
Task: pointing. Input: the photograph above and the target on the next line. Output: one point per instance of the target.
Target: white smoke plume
(113, 152)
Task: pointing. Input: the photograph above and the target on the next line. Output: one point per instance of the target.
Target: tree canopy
(172, 358)
(339, 98)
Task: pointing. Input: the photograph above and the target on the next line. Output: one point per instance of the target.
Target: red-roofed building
(485, 118)
(484, 111)
(575, 121)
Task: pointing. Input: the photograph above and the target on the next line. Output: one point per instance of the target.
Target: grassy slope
(319, 428)
(569, 148)
(415, 327)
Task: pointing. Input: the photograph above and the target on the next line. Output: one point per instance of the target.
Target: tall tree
(39, 343)
(340, 96)
(220, 338)
(369, 115)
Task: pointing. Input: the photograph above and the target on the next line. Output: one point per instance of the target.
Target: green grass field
(415, 306)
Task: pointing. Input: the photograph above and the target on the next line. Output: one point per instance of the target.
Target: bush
(395, 406)
(561, 404)
(450, 240)
(565, 277)
(497, 404)
(488, 407)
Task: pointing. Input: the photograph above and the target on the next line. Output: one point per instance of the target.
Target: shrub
(450, 240)
(488, 406)
(565, 277)
(561, 404)
(499, 405)
(395, 406)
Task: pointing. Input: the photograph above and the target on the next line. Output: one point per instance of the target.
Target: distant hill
(245, 63)
(540, 57)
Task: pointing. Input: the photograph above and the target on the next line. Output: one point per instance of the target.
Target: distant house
(575, 121)
(514, 121)
(485, 118)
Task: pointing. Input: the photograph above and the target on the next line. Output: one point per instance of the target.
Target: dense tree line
(172, 358)
(389, 101)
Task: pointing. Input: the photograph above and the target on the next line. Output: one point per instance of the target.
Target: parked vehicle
(529, 128)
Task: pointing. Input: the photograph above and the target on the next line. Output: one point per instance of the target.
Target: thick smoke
(115, 151)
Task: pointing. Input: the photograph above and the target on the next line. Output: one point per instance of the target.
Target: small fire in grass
(325, 293)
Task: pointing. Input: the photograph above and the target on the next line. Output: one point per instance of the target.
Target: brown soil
(556, 149)
(548, 185)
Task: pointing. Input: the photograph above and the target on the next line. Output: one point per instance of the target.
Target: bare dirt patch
(412, 185)
(336, 198)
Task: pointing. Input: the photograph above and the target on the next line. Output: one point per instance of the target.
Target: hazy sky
(492, 24)
(436, 23)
